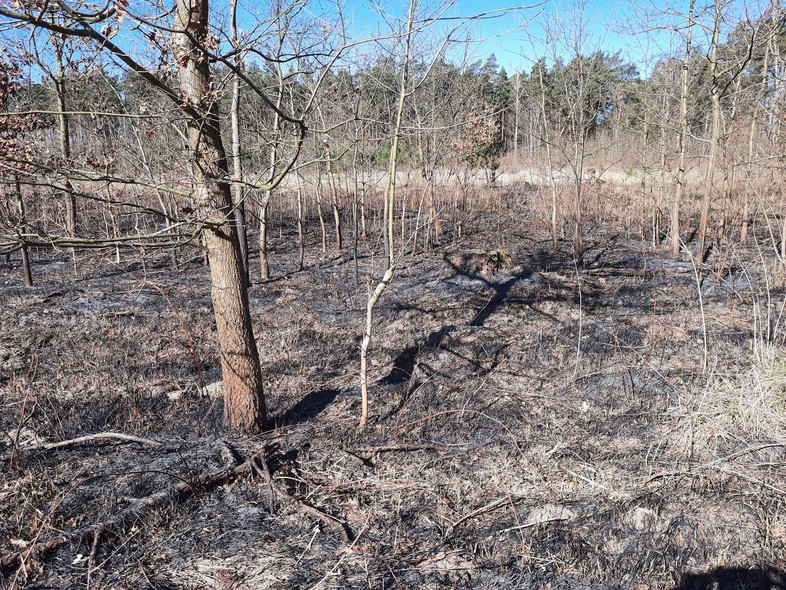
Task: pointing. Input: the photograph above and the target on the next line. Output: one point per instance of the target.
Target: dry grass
(528, 430)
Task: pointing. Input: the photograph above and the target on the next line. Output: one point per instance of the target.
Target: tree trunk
(783, 229)
(334, 201)
(517, 114)
(264, 204)
(674, 232)
(64, 137)
(301, 245)
(320, 213)
(237, 165)
(264, 261)
(355, 208)
(750, 189)
(578, 167)
(244, 404)
(661, 179)
(549, 160)
(363, 233)
(23, 228)
(403, 232)
(434, 233)
(387, 230)
(390, 202)
(709, 179)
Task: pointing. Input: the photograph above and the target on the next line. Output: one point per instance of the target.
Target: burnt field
(535, 423)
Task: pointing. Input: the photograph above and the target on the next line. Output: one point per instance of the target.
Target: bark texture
(244, 404)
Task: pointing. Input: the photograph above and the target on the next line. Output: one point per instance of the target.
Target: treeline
(580, 114)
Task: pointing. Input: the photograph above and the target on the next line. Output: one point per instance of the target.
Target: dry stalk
(48, 446)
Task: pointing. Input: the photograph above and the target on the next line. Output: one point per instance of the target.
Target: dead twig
(376, 450)
(176, 493)
(259, 465)
(344, 554)
(529, 525)
(48, 446)
(696, 470)
(487, 508)
(14, 561)
(725, 471)
(746, 451)
(333, 522)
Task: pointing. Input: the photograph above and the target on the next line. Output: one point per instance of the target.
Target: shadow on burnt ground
(308, 407)
(609, 323)
(139, 410)
(404, 363)
(734, 578)
(501, 291)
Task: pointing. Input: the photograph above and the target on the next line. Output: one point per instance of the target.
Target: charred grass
(546, 426)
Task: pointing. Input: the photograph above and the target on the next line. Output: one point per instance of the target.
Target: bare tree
(722, 76)
(12, 131)
(196, 100)
(581, 93)
(282, 26)
(674, 234)
(244, 403)
(390, 213)
(540, 66)
(715, 95)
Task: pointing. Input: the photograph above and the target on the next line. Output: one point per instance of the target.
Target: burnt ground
(536, 427)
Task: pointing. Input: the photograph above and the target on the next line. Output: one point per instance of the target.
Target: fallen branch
(372, 301)
(260, 465)
(178, 492)
(696, 470)
(529, 525)
(375, 450)
(487, 508)
(14, 561)
(333, 522)
(48, 446)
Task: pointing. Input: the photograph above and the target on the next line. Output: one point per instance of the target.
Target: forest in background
(94, 154)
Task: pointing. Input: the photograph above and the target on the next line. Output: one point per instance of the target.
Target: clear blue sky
(519, 36)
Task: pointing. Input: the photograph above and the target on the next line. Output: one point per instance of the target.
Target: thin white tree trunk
(674, 236)
(390, 202)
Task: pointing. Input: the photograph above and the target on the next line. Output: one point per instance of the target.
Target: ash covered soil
(534, 424)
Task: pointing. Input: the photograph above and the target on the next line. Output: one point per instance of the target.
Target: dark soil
(539, 425)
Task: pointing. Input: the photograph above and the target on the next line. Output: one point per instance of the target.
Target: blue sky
(519, 37)
(516, 37)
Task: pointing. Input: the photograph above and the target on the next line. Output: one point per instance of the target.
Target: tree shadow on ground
(308, 407)
(501, 291)
(734, 578)
(404, 363)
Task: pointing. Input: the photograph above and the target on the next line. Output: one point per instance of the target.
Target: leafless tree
(195, 48)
